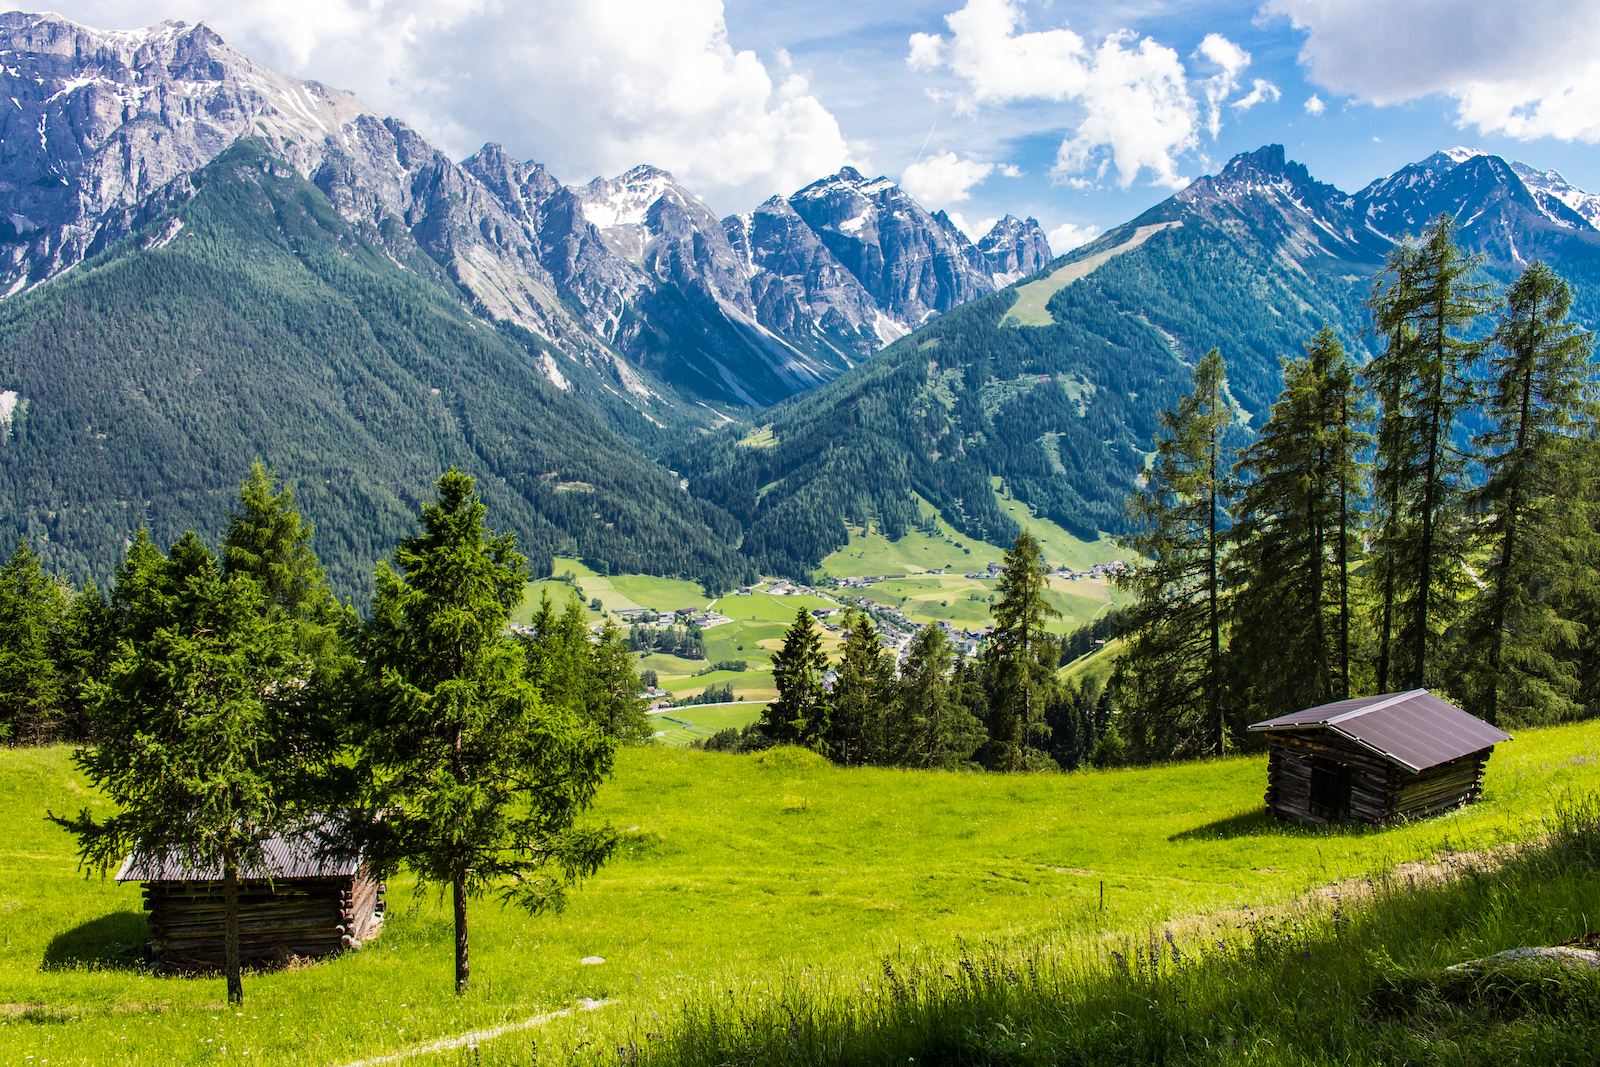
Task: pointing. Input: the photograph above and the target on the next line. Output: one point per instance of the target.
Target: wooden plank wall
(305, 917)
(1379, 790)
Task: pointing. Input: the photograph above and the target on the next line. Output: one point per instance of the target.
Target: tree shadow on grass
(114, 941)
(1258, 822)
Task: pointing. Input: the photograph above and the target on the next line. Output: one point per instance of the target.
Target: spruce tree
(861, 694)
(1427, 301)
(1169, 681)
(33, 615)
(1020, 659)
(201, 728)
(1540, 406)
(936, 730)
(800, 715)
(479, 781)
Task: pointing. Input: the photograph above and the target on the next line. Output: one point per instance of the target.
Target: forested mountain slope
(248, 320)
(1054, 385)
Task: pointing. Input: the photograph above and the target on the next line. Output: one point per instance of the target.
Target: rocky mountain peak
(1014, 249)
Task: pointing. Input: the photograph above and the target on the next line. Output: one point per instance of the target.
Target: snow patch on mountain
(1549, 183)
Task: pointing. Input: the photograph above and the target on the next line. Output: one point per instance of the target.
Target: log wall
(1380, 791)
(290, 917)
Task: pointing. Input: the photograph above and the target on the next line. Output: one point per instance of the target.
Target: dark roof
(1415, 729)
(291, 855)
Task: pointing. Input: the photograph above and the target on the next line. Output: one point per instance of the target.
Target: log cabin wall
(305, 917)
(1379, 790)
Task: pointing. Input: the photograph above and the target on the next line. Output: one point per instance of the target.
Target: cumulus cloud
(1132, 93)
(975, 232)
(591, 88)
(1261, 91)
(1315, 106)
(1070, 235)
(943, 179)
(1528, 70)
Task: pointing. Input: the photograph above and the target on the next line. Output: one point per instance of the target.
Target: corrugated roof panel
(1414, 729)
(291, 855)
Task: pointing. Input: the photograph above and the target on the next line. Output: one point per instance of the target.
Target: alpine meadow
(743, 610)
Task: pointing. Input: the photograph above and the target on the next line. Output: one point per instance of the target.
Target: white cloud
(1261, 91)
(975, 231)
(1529, 70)
(1010, 170)
(1217, 88)
(1070, 235)
(1132, 95)
(1315, 106)
(591, 88)
(943, 179)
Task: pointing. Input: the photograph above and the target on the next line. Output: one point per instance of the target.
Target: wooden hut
(299, 904)
(1376, 759)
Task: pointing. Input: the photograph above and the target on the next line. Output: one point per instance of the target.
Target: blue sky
(1081, 115)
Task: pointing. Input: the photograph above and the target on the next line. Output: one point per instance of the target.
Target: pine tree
(200, 725)
(480, 782)
(800, 715)
(615, 703)
(1540, 406)
(1426, 302)
(1292, 541)
(1020, 659)
(1169, 681)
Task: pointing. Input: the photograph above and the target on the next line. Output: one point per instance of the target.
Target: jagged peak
(1268, 164)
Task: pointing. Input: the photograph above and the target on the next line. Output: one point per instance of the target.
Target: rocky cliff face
(633, 277)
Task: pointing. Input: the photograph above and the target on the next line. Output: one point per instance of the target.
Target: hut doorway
(1330, 789)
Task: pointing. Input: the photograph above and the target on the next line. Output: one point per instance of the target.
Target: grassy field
(737, 872)
(680, 726)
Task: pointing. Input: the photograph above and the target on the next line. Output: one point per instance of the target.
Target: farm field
(680, 726)
(736, 873)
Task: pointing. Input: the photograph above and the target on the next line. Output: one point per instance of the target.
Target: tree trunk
(230, 922)
(459, 892)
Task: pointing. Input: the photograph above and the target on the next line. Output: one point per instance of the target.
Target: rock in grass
(1560, 955)
(592, 959)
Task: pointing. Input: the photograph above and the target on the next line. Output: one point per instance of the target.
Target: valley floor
(737, 874)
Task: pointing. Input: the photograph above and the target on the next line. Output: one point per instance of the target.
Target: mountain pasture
(735, 872)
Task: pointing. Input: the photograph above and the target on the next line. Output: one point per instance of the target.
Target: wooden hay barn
(300, 905)
(1376, 759)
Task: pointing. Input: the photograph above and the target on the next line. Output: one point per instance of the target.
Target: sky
(1079, 114)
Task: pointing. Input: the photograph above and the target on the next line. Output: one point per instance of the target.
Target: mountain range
(204, 262)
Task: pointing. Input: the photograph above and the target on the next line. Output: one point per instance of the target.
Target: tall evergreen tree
(936, 730)
(1021, 658)
(1292, 540)
(800, 715)
(1426, 299)
(1169, 682)
(861, 695)
(480, 782)
(33, 613)
(1540, 406)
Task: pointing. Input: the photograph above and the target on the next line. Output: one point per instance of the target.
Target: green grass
(621, 592)
(737, 870)
(680, 726)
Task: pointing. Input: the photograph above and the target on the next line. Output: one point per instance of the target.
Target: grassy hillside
(249, 321)
(755, 874)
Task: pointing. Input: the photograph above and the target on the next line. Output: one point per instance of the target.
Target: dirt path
(474, 1037)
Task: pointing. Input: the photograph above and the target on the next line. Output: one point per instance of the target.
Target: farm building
(1378, 758)
(300, 905)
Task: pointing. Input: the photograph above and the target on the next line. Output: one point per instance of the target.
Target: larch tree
(936, 728)
(1020, 659)
(1427, 299)
(1291, 542)
(1541, 408)
(480, 783)
(1170, 680)
(862, 693)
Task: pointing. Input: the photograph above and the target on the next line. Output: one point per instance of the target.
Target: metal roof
(1415, 729)
(288, 855)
